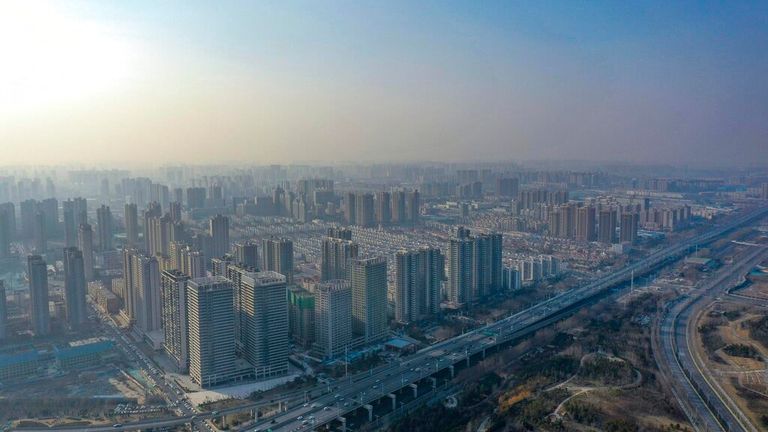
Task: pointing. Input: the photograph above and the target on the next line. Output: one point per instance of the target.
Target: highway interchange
(704, 405)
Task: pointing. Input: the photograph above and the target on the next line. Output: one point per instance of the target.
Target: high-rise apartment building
(333, 318)
(607, 226)
(234, 272)
(80, 210)
(105, 228)
(210, 312)
(173, 285)
(368, 280)
(460, 268)
(6, 233)
(50, 209)
(218, 229)
(383, 208)
(412, 207)
(264, 330)
(160, 235)
(487, 266)
(176, 260)
(40, 234)
(585, 224)
(152, 211)
(507, 186)
(277, 255)
(3, 313)
(301, 316)
(37, 273)
(418, 277)
(247, 253)
(8, 219)
(28, 209)
(350, 208)
(131, 225)
(219, 266)
(174, 209)
(339, 233)
(142, 286)
(70, 229)
(195, 197)
(192, 262)
(398, 207)
(336, 254)
(364, 209)
(629, 227)
(74, 287)
(85, 244)
(474, 266)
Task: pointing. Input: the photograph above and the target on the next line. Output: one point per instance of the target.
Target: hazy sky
(263, 82)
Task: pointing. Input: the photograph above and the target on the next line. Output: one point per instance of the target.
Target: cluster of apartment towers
(236, 324)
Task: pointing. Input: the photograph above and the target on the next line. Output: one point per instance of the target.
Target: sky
(198, 82)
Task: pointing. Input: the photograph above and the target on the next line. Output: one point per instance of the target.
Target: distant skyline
(127, 83)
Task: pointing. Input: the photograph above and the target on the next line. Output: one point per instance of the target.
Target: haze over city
(359, 216)
(201, 82)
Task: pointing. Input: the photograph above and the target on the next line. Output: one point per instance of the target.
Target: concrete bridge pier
(434, 382)
(483, 353)
(369, 407)
(453, 371)
(394, 401)
(343, 421)
(415, 390)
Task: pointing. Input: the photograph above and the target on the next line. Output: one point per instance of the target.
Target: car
(305, 405)
(117, 425)
(300, 418)
(326, 408)
(215, 413)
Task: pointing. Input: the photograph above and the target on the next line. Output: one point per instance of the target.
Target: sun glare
(49, 58)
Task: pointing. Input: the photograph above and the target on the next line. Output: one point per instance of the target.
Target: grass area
(742, 350)
(605, 371)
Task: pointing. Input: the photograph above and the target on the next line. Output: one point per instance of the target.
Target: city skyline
(392, 216)
(113, 83)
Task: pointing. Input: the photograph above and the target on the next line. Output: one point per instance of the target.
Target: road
(170, 391)
(365, 388)
(706, 407)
